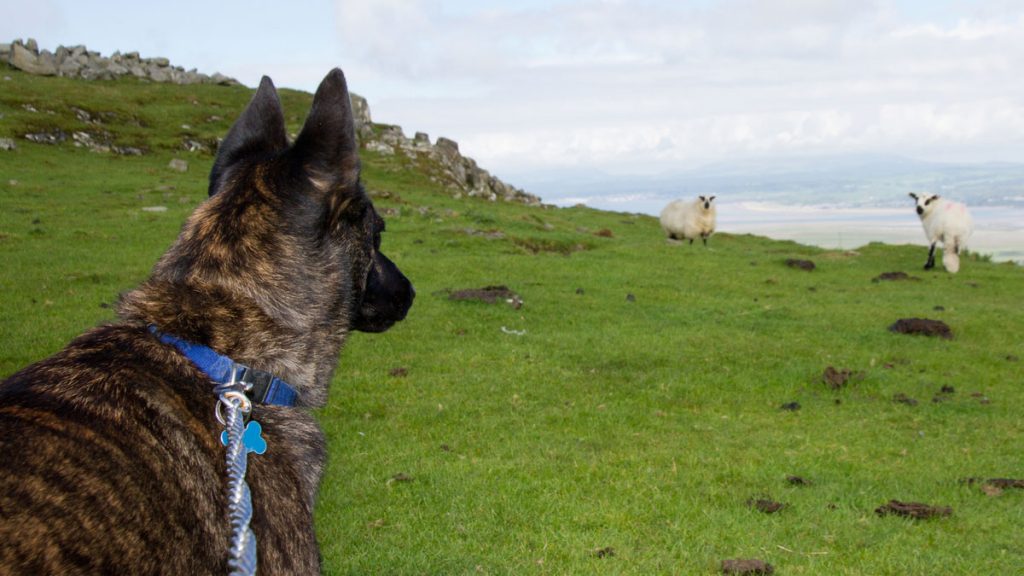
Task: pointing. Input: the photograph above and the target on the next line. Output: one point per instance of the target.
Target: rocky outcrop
(456, 172)
(79, 62)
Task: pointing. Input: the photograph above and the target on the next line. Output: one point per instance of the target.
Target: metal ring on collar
(237, 399)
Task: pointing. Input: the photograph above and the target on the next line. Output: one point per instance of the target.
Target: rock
(361, 114)
(7, 144)
(159, 74)
(26, 60)
(69, 68)
(178, 165)
(55, 137)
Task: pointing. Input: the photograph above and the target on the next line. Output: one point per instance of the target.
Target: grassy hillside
(620, 419)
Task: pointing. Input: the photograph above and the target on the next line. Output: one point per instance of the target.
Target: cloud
(656, 84)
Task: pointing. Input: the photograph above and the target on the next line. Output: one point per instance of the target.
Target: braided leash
(242, 549)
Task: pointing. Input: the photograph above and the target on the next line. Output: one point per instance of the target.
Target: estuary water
(998, 230)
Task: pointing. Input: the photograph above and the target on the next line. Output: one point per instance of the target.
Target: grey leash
(232, 407)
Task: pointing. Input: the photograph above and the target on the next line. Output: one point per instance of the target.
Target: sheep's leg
(691, 241)
(931, 257)
(704, 238)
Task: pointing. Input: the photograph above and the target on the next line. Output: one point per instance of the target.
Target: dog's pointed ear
(326, 148)
(259, 130)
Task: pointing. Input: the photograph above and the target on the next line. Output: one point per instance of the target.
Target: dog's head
(288, 245)
(925, 202)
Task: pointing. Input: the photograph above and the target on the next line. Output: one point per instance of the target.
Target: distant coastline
(998, 230)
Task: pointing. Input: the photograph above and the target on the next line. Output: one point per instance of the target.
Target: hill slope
(619, 420)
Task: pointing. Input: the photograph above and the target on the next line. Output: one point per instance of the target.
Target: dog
(111, 451)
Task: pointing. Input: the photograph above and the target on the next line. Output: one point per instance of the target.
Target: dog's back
(101, 460)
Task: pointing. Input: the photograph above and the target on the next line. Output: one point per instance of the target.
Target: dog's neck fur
(303, 356)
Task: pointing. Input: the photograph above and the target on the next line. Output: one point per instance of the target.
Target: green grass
(642, 426)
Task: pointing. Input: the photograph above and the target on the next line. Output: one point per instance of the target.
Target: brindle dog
(110, 451)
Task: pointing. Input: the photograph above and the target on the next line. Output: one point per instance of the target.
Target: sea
(998, 230)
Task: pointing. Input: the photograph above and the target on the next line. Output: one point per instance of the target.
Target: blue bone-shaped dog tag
(252, 438)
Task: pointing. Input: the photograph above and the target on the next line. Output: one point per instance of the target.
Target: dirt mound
(836, 379)
(901, 398)
(1003, 483)
(748, 566)
(893, 276)
(914, 510)
(922, 326)
(800, 264)
(766, 505)
(489, 295)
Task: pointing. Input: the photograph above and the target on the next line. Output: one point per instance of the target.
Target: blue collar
(261, 387)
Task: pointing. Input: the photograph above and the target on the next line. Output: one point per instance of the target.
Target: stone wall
(456, 172)
(79, 62)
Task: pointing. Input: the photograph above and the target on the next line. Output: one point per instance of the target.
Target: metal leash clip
(232, 393)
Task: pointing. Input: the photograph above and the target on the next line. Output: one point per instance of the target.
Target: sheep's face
(706, 201)
(925, 203)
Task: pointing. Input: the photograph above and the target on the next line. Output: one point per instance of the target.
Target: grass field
(620, 420)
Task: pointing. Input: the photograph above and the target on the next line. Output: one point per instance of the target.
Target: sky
(609, 86)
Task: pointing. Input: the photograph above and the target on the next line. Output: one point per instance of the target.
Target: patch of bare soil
(922, 326)
(766, 505)
(544, 245)
(837, 378)
(980, 397)
(398, 372)
(915, 510)
(994, 486)
(797, 481)
(746, 566)
(800, 264)
(945, 393)
(606, 552)
(893, 276)
(791, 406)
(901, 398)
(400, 477)
(489, 295)
(604, 233)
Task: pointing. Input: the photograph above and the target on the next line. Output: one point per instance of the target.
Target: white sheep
(688, 219)
(944, 221)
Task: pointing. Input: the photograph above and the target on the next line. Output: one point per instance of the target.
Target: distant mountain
(854, 180)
